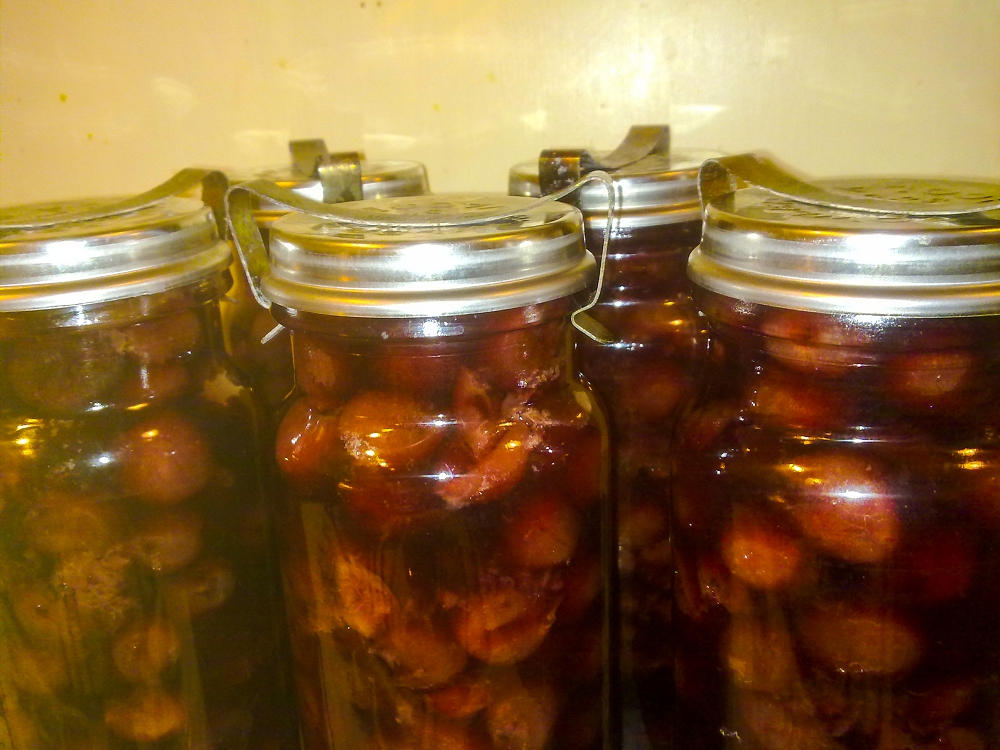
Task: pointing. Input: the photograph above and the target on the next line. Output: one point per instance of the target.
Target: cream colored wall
(111, 96)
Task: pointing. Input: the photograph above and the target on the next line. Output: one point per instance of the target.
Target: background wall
(112, 96)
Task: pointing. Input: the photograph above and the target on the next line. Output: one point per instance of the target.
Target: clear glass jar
(441, 471)
(268, 364)
(837, 538)
(642, 376)
(138, 596)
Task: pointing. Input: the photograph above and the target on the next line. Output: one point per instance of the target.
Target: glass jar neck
(855, 339)
(429, 329)
(503, 364)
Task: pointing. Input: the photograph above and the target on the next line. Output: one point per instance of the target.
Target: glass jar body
(643, 378)
(836, 533)
(442, 502)
(137, 595)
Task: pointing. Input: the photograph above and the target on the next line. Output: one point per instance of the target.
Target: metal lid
(423, 256)
(315, 173)
(56, 255)
(907, 247)
(660, 186)
(379, 179)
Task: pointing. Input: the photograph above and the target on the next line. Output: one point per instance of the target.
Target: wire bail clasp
(253, 254)
(213, 190)
(727, 174)
(341, 179)
(338, 173)
(563, 171)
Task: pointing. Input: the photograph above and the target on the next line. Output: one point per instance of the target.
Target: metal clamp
(213, 191)
(241, 202)
(726, 175)
(560, 168)
(562, 171)
(339, 174)
(241, 199)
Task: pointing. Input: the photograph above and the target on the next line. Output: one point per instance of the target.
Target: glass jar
(836, 515)
(440, 467)
(137, 604)
(318, 175)
(642, 376)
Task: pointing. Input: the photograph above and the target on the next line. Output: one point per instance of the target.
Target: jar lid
(907, 247)
(52, 258)
(315, 173)
(379, 179)
(658, 188)
(423, 256)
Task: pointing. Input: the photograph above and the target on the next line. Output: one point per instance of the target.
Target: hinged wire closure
(213, 191)
(657, 185)
(333, 177)
(339, 174)
(892, 246)
(726, 175)
(561, 168)
(256, 260)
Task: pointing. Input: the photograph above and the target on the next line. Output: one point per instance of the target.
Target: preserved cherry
(542, 533)
(440, 476)
(141, 652)
(322, 369)
(308, 445)
(462, 699)
(857, 532)
(123, 555)
(759, 554)
(643, 376)
(443, 549)
(146, 716)
(166, 460)
(388, 430)
(522, 717)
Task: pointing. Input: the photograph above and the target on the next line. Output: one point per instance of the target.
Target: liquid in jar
(836, 548)
(441, 478)
(139, 600)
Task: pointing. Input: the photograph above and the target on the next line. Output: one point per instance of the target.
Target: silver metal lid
(56, 255)
(316, 174)
(906, 247)
(379, 179)
(414, 257)
(660, 187)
